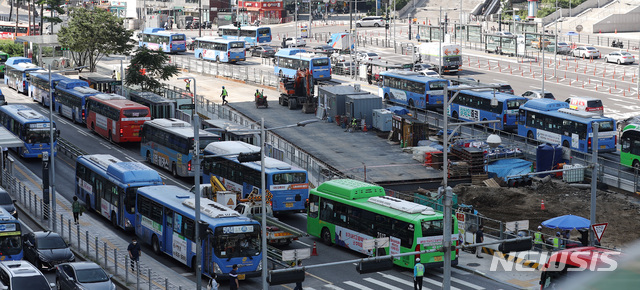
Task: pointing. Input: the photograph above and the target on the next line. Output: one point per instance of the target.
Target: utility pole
(310, 20)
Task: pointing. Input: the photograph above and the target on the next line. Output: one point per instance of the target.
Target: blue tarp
(506, 167)
(398, 110)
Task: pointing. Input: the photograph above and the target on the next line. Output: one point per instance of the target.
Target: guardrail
(68, 149)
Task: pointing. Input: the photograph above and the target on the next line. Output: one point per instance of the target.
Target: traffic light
(249, 157)
(286, 277)
(386, 26)
(515, 246)
(373, 266)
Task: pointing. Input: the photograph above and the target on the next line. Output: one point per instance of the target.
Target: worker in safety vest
(557, 244)
(354, 123)
(418, 273)
(538, 239)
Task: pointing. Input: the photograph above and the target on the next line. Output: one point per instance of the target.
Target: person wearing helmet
(224, 95)
(418, 273)
(538, 239)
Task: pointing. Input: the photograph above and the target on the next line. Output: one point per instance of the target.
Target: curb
(512, 258)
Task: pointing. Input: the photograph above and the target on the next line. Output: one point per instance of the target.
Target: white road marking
(303, 243)
(462, 282)
(356, 285)
(329, 286)
(385, 285)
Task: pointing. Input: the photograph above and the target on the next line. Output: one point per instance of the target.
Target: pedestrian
(113, 74)
(5, 155)
(76, 208)
(298, 284)
(479, 239)
(418, 273)
(538, 239)
(135, 253)
(188, 85)
(213, 284)
(224, 96)
(233, 278)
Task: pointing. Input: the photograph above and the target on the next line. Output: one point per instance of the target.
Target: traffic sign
(297, 254)
(372, 243)
(460, 216)
(598, 230)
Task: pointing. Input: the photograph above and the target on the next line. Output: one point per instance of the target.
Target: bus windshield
(438, 85)
(236, 44)
(321, 62)
(289, 178)
(233, 241)
(177, 37)
(515, 104)
(10, 245)
(432, 228)
(40, 135)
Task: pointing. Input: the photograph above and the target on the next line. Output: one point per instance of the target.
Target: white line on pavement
(385, 285)
(303, 243)
(333, 287)
(356, 285)
(462, 282)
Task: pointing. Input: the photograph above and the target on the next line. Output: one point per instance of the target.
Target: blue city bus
(289, 60)
(412, 90)
(108, 185)
(553, 122)
(31, 127)
(165, 219)
(475, 106)
(168, 143)
(252, 35)
(71, 95)
(40, 87)
(159, 39)
(219, 50)
(288, 185)
(10, 237)
(15, 75)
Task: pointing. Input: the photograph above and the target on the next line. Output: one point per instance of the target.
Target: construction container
(408, 130)
(574, 175)
(382, 120)
(332, 98)
(362, 106)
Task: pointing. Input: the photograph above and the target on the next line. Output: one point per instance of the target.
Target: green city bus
(346, 212)
(3, 58)
(630, 146)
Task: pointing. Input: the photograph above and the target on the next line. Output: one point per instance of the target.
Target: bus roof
(584, 260)
(557, 109)
(236, 147)
(152, 97)
(16, 60)
(72, 83)
(159, 30)
(229, 127)
(631, 127)
(183, 201)
(131, 173)
(242, 27)
(26, 66)
(545, 105)
(217, 39)
(108, 97)
(177, 126)
(300, 53)
(24, 114)
(489, 95)
(373, 197)
(45, 76)
(97, 78)
(412, 76)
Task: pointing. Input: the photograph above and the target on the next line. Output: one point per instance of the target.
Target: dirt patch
(511, 204)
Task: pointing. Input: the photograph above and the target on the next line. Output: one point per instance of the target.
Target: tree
(92, 34)
(53, 17)
(148, 67)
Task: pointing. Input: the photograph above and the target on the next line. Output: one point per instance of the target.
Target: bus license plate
(438, 102)
(437, 258)
(240, 276)
(288, 204)
(321, 76)
(603, 146)
(136, 134)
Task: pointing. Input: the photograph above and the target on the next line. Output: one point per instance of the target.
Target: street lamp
(196, 152)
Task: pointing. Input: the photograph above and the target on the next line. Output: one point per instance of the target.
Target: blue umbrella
(567, 222)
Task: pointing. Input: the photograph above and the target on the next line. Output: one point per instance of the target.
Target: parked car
(20, 275)
(364, 56)
(7, 203)
(587, 104)
(429, 73)
(293, 41)
(45, 250)
(263, 51)
(83, 275)
(586, 52)
(563, 47)
(504, 33)
(421, 66)
(326, 49)
(505, 88)
(619, 57)
(536, 43)
(537, 94)
(343, 68)
(375, 21)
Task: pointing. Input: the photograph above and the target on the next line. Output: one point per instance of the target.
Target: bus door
(120, 204)
(168, 232)
(207, 254)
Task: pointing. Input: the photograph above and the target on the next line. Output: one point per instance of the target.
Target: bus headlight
(216, 268)
(259, 266)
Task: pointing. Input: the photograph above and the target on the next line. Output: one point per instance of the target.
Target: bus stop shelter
(44, 50)
(8, 140)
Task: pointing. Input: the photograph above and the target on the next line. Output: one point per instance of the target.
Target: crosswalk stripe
(333, 287)
(356, 285)
(397, 279)
(385, 285)
(460, 281)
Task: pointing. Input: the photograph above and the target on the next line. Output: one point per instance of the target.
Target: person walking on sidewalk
(233, 278)
(76, 208)
(134, 253)
(224, 95)
(418, 273)
(479, 239)
(188, 85)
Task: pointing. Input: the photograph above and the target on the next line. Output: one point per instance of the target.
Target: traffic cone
(364, 126)
(541, 208)
(315, 250)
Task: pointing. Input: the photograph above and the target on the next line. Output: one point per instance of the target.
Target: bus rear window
(289, 178)
(605, 126)
(515, 104)
(236, 44)
(262, 31)
(432, 228)
(135, 113)
(177, 37)
(437, 85)
(321, 62)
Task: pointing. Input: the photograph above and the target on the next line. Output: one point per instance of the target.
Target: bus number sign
(7, 227)
(237, 229)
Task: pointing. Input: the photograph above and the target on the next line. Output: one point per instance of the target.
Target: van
(21, 275)
(587, 104)
(375, 21)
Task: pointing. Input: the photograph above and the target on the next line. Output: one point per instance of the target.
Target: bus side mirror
(57, 133)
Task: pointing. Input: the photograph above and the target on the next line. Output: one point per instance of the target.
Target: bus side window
(313, 205)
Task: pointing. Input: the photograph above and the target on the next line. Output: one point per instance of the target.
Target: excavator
(298, 91)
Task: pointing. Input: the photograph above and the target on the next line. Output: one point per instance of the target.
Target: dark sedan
(83, 275)
(45, 250)
(263, 51)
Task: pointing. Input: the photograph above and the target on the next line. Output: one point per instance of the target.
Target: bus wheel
(93, 127)
(155, 245)
(636, 164)
(326, 236)
(73, 117)
(114, 221)
(174, 170)
(530, 135)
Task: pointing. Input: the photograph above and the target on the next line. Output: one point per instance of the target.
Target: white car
(586, 52)
(367, 56)
(292, 41)
(375, 21)
(429, 73)
(619, 57)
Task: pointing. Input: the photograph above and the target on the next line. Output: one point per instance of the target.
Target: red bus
(115, 117)
(8, 29)
(565, 263)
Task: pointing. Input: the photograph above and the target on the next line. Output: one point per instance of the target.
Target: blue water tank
(547, 156)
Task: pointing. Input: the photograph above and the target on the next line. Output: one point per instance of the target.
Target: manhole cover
(473, 264)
